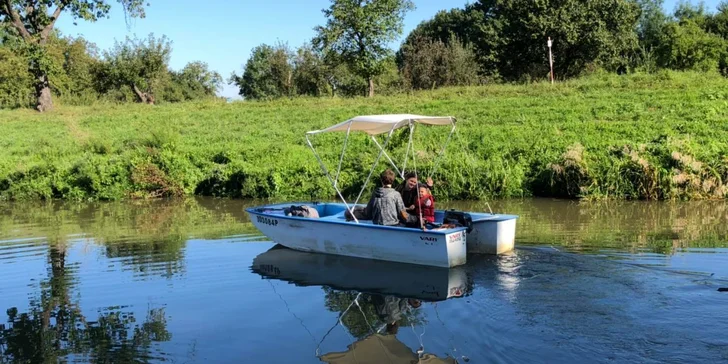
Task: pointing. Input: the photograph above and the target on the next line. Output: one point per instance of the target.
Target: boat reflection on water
(364, 275)
(373, 298)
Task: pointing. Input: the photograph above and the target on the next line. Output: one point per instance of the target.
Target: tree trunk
(43, 93)
(143, 96)
(42, 86)
(371, 87)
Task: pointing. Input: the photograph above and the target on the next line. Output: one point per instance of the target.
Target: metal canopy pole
(381, 150)
(326, 172)
(414, 163)
(406, 153)
(341, 159)
(386, 155)
(442, 152)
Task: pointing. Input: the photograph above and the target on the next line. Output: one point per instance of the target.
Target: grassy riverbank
(657, 136)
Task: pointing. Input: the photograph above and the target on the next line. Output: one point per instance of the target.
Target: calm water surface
(193, 281)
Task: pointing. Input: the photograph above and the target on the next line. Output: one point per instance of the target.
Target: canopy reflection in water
(363, 275)
(379, 348)
(389, 294)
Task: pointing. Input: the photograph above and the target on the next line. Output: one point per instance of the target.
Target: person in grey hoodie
(386, 206)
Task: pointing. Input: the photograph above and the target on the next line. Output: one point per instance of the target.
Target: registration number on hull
(458, 237)
(267, 220)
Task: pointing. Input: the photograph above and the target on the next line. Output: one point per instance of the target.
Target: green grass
(661, 136)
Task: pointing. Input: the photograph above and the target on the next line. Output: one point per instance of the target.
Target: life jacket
(409, 197)
(427, 203)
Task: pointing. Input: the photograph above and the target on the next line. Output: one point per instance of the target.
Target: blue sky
(222, 33)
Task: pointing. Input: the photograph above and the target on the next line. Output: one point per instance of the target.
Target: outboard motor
(458, 218)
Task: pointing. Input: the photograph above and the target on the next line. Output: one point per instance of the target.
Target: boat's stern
(457, 250)
(492, 234)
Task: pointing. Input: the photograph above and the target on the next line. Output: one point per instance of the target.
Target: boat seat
(340, 217)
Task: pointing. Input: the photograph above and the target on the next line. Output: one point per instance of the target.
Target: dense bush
(429, 63)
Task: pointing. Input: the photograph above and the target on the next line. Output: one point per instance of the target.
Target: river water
(193, 281)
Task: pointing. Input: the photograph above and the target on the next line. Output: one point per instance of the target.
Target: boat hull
(492, 234)
(363, 275)
(332, 234)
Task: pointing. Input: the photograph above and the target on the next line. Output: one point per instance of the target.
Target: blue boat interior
(333, 211)
(326, 211)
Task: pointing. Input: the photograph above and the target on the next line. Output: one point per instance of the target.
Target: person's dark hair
(409, 175)
(387, 177)
(392, 328)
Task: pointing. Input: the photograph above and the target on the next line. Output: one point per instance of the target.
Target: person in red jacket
(426, 205)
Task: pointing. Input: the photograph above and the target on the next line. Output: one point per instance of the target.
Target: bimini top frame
(375, 125)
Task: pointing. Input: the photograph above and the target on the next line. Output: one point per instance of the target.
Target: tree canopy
(140, 64)
(428, 63)
(351, 55)
(357, 31)
(33, 22)
(268, 73)
(509, 36)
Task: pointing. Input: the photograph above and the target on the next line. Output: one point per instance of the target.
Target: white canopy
(379, 124)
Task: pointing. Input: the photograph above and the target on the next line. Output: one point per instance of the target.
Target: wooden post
(551, 61)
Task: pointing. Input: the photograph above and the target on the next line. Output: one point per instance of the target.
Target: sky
(223, 33)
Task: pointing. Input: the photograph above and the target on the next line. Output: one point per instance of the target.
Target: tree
(342, 81)
(33, 22)
(197, 81)
(141, 65)
(74, 61)
(474, 25)
(16, 88)
(389, 81)
(594, 32)
(718, 23)
(427, 63)
(309, 72)
(268, 73)
(651, 23)
(80, 57)
(687, 11)
(358, 32)
(509, 36)
(686, 46)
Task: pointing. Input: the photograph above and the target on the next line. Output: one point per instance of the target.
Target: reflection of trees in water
(147, 236)
(115, 221)
(165, 257)
(374, 311)
(661, 227)
(54, 326)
